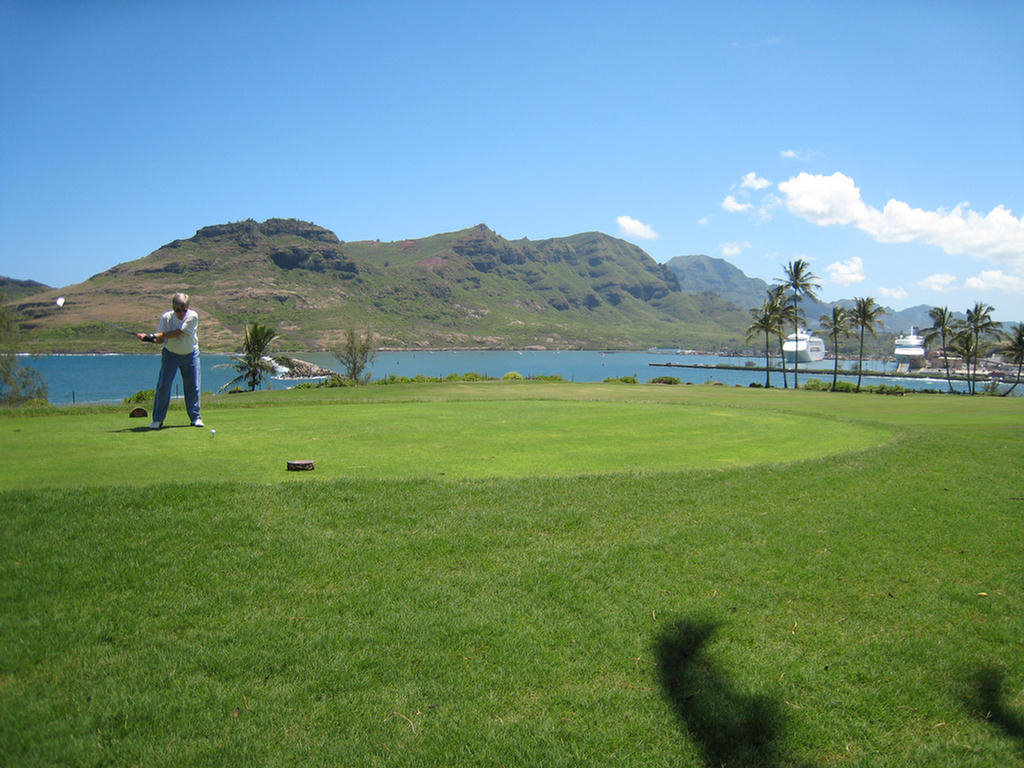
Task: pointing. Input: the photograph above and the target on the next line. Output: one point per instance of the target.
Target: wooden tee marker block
(301, 465)
(138, 413)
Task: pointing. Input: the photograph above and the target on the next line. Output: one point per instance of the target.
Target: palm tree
(980, 324)
(864, 315)
(781, 313)
(835, 325)
(799, 281)
(253, 363)
(1013, 347)
(962, 345)
(765, 320)
(943, 328)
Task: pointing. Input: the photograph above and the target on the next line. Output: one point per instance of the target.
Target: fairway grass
(718, 577)
(403, 439)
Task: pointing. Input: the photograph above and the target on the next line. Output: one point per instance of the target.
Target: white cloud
(938, 282)
(768, 203)
(800, 155)
(753, 181)
(846, 272)
(893, 293)
(996, 280)
(630, 227)
(703, 221)
(835, 200)
(733, 249)
(761, 210)
(732, 205)
(824, 200)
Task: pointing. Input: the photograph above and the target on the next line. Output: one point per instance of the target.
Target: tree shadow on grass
(987, 702)
(733, 729)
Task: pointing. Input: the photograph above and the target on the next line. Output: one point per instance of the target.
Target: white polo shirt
(188, 342)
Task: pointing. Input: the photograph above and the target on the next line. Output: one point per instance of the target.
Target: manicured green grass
(393, 437)
(802, 605)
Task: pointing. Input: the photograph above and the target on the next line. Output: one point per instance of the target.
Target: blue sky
(881, 141)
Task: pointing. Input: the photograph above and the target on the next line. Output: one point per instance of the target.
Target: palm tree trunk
(945, 357)
(1019, 366)
(835, 362)
(796, 356)
(767, 363)
(972, 373)
(860, 358)
(782, 356)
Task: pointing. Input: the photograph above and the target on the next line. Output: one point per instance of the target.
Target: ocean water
(111, 378)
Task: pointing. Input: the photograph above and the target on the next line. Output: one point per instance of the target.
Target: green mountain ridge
(13, 290)
(466, 289)
(697, 272)
(470, 288)
(705, 273)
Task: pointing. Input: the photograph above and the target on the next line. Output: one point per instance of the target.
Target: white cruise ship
(803, 347)
(909, 351)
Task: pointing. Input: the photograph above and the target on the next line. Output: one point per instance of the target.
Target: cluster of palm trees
(781, 310)
(969, 338)
(255, 363)
(972, 336)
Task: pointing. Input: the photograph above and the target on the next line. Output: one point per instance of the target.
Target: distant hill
(703, 273)
(15, 290)
(697, 273)
(470, 288)
(912, 316)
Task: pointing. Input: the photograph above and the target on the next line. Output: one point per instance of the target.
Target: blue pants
(170, 364)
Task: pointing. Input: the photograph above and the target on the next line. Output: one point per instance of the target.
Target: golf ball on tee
(213, 432)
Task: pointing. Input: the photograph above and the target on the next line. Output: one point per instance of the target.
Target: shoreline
(925, 374)
(937, 374)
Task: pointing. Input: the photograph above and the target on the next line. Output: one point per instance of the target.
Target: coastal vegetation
(1013, 348)
(835, 325)
(866, 315)
(798, 282)
(943, 328)
(770, 319)
(253, 363)
(18, 383)
(356, 354)
(514, 572)
(971, 335)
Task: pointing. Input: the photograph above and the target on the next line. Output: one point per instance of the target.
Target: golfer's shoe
(155, 425)
(198, 423)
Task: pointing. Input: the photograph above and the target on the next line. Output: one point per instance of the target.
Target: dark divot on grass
(733, 729)
(987, 701)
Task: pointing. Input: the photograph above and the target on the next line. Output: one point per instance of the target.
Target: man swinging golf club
(177, 331)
